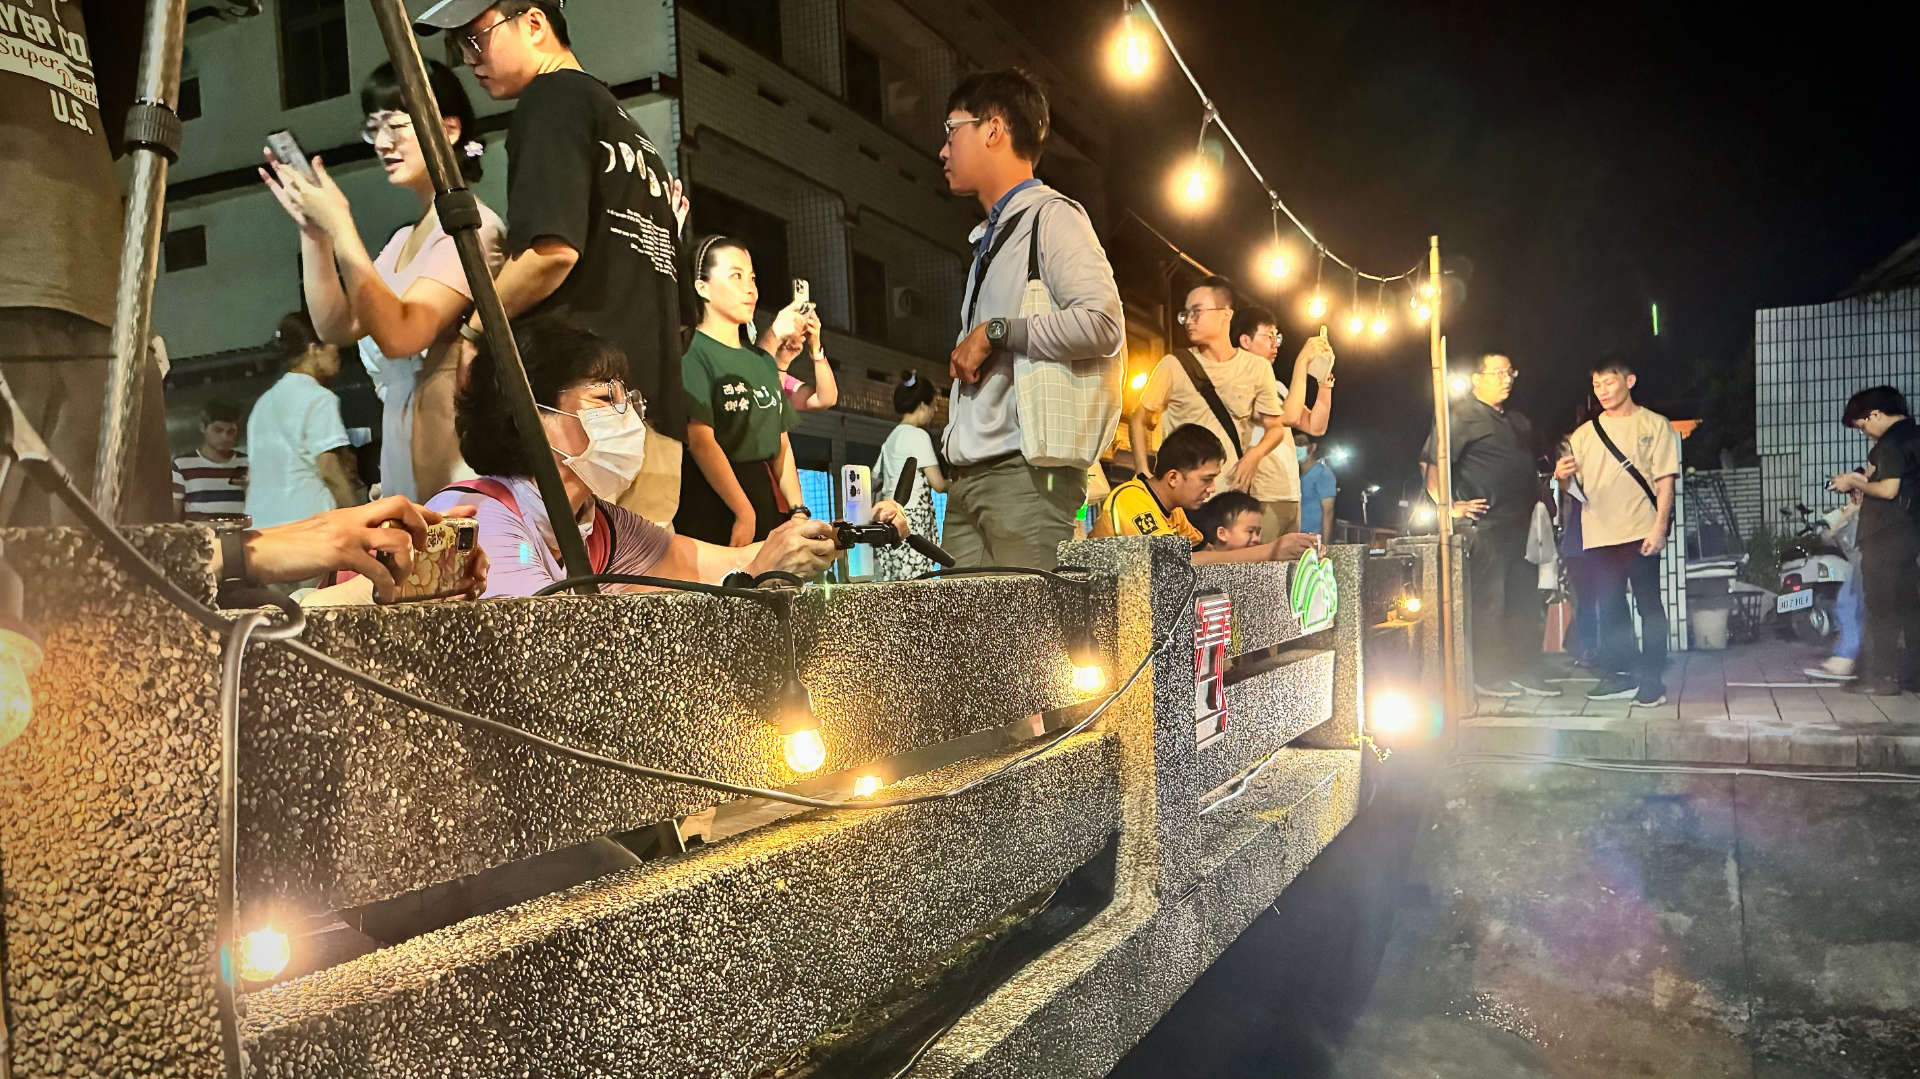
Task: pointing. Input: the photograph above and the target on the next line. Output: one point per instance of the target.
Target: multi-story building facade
(810, 128)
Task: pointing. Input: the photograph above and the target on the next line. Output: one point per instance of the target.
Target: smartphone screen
(286, 150)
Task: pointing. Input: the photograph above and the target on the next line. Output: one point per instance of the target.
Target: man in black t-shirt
(593, 217)
(1495, 486)
(1889, 533)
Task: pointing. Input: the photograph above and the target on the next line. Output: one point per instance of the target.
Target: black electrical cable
(50, 474)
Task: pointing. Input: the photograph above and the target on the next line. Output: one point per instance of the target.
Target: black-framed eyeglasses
(1511, 374)
(472, 45)
(1192, 314)
(395, 123)
(958, 122)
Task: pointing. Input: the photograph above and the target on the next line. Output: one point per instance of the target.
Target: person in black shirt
(593, 218)
(1495, 486)
(1889, 533)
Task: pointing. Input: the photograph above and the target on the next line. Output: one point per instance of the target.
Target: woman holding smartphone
(745, 482)
(404, 307)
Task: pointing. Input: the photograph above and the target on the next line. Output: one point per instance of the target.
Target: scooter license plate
(1794, 601)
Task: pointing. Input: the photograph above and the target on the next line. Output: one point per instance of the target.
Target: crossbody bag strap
(1203, 385)
(1003, 233)
(1645, 487)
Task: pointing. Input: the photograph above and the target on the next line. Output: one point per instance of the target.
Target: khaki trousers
(1008, 513)
(1279, 518)
(55, 364)
(655, 492)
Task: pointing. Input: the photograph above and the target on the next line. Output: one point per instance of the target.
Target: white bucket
(1709, 628)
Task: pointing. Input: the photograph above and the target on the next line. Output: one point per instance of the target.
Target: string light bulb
(1132, 50)
(800, 740)
(1380, 310)
(1317, 306)
(865, 785)
(1276, 257)
(1423, 313)
(264, 953)
(1196, 182)
(1139, 380)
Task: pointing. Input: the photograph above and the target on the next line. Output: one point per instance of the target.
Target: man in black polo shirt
(593, 217)
(1889, 539)
(1495, 486)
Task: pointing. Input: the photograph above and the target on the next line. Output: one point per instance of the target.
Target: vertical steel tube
(460, 218)
(159, 84)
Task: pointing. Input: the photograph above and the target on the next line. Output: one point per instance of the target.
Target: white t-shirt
(1244, 383)
(902, 442)
(292, 424)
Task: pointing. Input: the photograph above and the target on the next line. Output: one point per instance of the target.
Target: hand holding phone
(287, 151)
(442, 568)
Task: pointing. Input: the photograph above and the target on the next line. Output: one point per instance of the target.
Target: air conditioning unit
(908, 302)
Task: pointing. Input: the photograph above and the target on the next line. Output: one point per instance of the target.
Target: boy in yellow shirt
(1189, 461)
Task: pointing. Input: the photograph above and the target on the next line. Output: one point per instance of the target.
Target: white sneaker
(1833, 669)
(1503, 690)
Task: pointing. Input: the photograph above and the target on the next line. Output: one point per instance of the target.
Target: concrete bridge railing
(730, 960)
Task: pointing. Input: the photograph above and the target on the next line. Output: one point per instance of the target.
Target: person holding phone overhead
(743, 482)
(822, 391)
(403, 306)
(909, 445)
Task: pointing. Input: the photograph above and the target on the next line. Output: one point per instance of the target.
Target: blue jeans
(1850, 610)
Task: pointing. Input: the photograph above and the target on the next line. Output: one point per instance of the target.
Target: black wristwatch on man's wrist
(997, 332)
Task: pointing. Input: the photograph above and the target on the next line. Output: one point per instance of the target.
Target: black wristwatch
(996, 332)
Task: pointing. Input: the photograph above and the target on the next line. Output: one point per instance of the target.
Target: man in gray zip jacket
(1036, 376)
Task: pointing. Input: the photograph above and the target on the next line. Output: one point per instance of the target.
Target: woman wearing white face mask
(596, 432)
(403, 306)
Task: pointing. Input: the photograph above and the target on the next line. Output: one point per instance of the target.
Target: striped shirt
(211, 488)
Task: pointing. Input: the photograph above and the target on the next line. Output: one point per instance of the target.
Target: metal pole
(153, 142)
(1453, 694)
(460, 217)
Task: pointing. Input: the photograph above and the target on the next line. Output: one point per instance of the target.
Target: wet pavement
(1547, 920)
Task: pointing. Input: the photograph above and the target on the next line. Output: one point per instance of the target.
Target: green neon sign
(1315, 592)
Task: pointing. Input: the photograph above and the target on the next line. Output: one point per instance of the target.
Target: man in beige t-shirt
(1244, 383)
(1241, 380)
(1624, 524)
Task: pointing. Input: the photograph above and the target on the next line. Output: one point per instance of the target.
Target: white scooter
(1812, 569)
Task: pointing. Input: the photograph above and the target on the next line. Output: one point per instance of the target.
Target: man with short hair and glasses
(1230, 390)
(1496, 484)
(1277, 480)
(593, 217)
(1036, 393)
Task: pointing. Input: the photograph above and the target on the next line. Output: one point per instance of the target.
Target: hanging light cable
(1196, 181)
(1145, 8)
(1356, 322)
(1317, 306)
(1380, 310)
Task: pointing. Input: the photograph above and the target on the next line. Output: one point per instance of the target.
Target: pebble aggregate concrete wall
(111, 794)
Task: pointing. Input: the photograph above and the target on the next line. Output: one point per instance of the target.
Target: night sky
(1578, 162)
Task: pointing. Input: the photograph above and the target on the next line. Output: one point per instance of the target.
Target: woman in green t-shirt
(744, 482)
